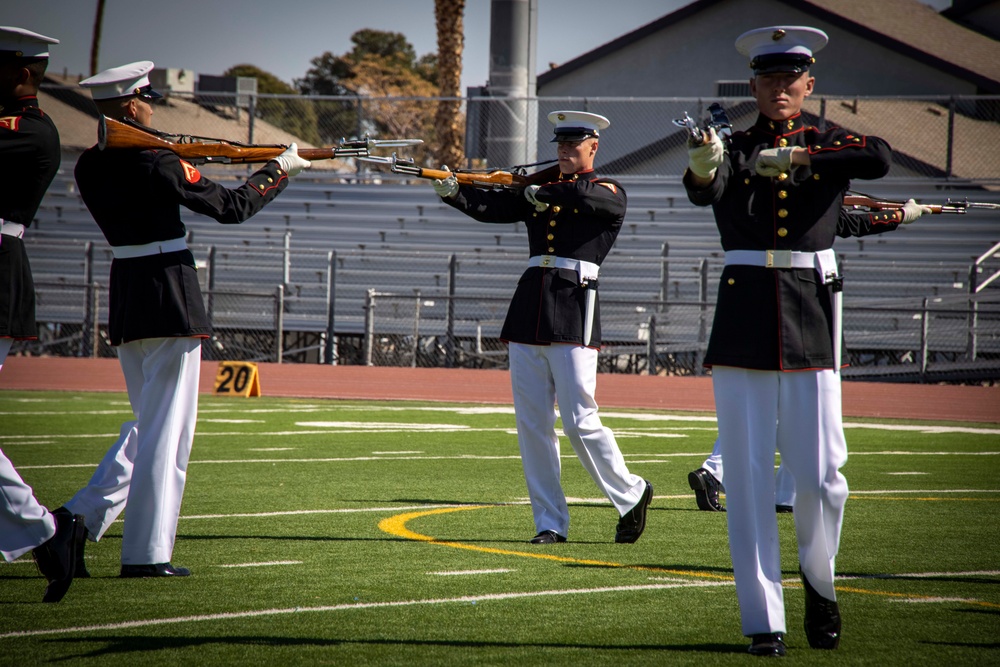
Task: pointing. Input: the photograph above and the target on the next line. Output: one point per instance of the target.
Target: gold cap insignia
(561, 116)
(778, 34)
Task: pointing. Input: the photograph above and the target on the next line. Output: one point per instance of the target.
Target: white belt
(824, 261)
(154, 248)
(584, 270)
(11, 228)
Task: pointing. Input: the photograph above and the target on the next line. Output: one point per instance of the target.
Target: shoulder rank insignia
(610, 186)
(10, 123)
(191, 174)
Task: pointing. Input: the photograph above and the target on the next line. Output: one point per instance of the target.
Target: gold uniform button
(534, 215)
(555, 209)
(270, 180)
(857, 140)
(552, 223)
(783, 142)
(576, 210)
(746, 181)
(782, 194)
(261, 186)
(836, 143)
(782, 212)
(551, 236)
(551, 249)
(815, 177)
(782, 232)
(732, 281)
(816, 148)
(782, 176)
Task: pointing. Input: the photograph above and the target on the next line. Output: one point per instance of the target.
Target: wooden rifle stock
(116, 134)
(879, 205)
(497, 178)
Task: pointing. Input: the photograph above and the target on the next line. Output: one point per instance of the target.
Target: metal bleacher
(396, 237)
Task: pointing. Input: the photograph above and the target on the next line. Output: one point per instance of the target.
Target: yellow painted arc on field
(396, 525)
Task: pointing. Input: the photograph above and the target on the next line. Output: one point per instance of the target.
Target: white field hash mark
(499, 570)
(267, 564)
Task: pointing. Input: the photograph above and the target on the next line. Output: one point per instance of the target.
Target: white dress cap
(781, 48)
(123, 81)
(24, 43)
(577, 125)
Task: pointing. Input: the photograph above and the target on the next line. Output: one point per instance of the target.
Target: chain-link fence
(456, 325)
(937, 137)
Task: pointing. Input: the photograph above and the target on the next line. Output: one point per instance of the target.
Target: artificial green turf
(352, 593)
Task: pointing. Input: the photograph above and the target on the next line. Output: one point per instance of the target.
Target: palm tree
(95, 45)
(448, 122)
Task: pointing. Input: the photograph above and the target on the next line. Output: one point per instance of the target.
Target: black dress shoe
(547, 537)
(81, 567)
(80, 572)
(783, 509)
(631, 525)
(154, 570)
(822, 618)
(56, 558)
(768, 644)
(706, 490)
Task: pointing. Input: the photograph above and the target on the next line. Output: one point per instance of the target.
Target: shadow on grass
(903, 577)
(122, 645)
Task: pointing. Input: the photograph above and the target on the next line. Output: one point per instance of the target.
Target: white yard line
(465, 599)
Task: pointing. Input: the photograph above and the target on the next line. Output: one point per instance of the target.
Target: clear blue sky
(209, 36)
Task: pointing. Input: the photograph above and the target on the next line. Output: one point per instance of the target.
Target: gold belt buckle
(548, 260)
(778, 259)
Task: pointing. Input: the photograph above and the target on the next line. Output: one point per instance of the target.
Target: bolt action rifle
(719, 122)
(862, 202)
(200, 150)
(515, 178)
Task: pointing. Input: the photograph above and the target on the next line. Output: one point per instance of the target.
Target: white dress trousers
(799, 414)
(784, 483)
(540, 375)
(24, 523)
(145, 470)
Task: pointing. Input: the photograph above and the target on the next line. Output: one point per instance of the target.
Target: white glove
(446, 188)
(529, 194)
(705, 159)
(912, 210)
(290, 162)
(774, 161)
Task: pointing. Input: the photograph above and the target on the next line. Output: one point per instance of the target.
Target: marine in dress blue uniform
(157, 316)
(553, 327)
(777, 195)
(29, 159)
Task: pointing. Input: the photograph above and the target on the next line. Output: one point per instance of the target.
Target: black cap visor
(772, 63)
(574, 134)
